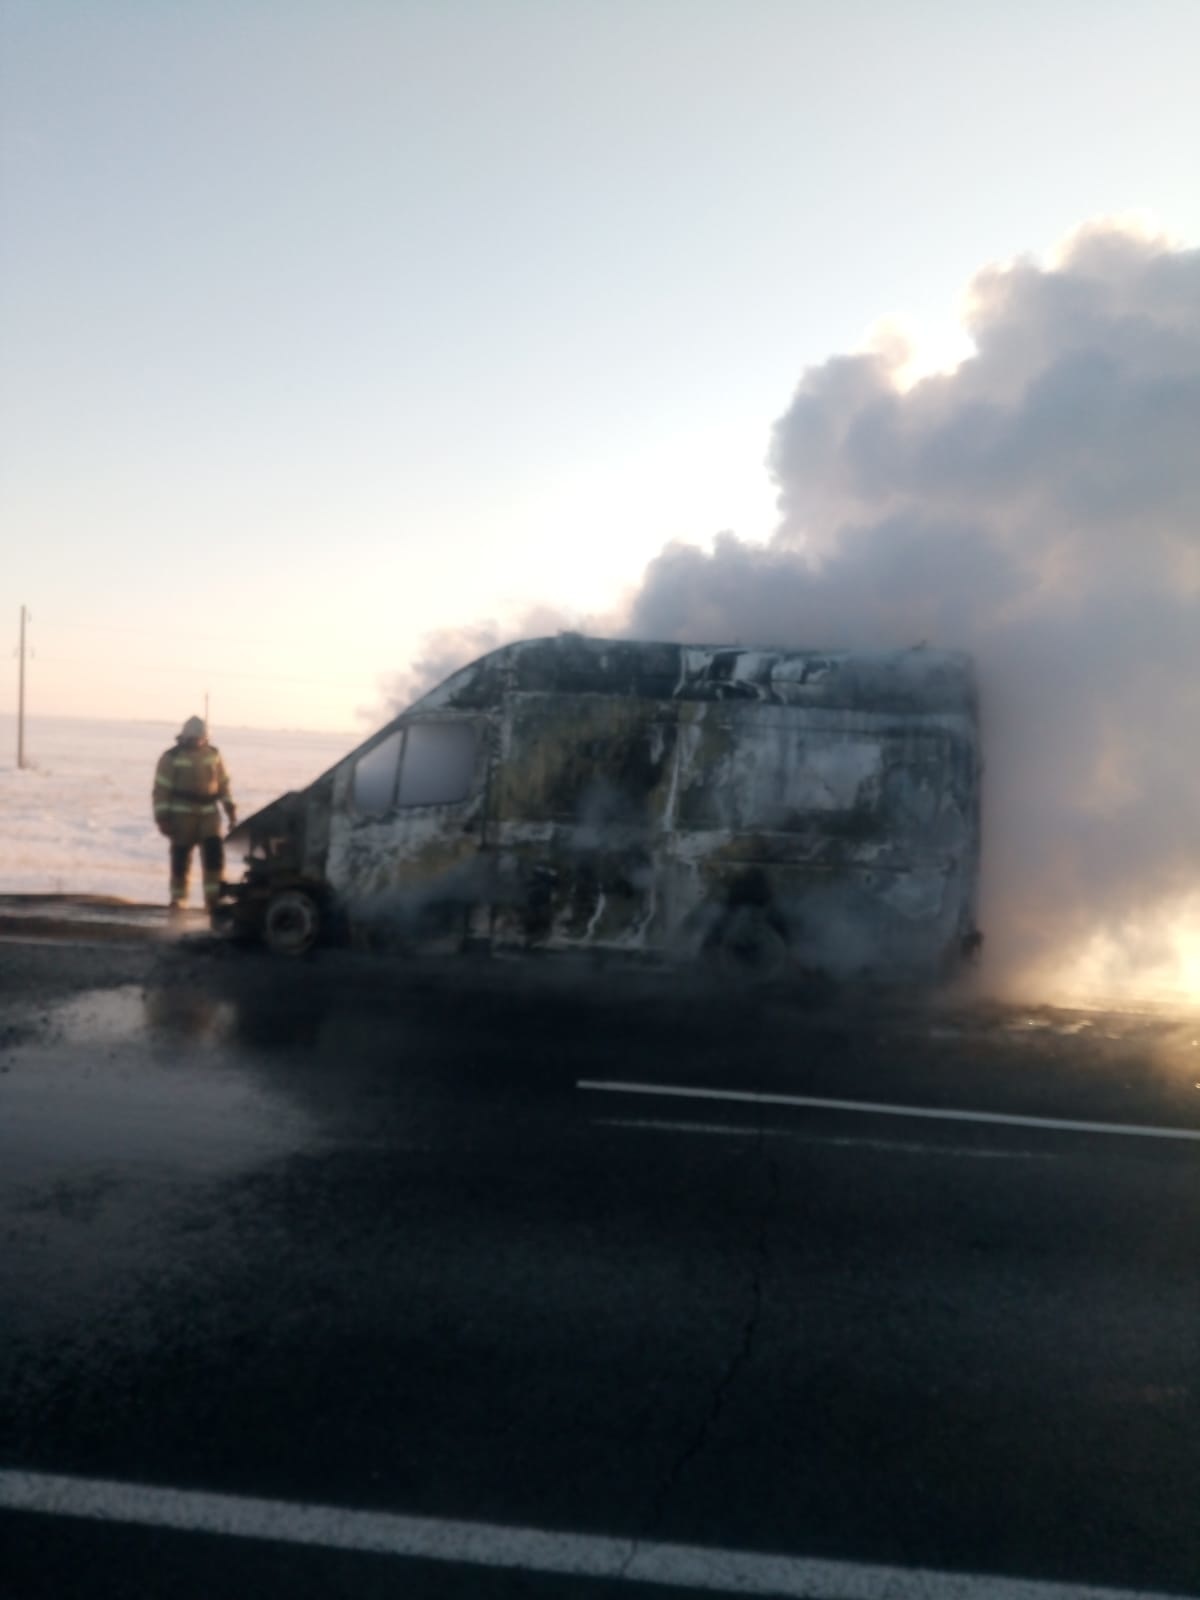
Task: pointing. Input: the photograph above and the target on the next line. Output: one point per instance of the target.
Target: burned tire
(749, 947)
(291, 923)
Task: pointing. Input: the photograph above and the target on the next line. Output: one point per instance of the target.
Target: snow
(77, 820)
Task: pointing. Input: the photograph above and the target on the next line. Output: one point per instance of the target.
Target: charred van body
(770, 809)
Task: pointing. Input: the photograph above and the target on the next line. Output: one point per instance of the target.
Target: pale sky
(324, 325)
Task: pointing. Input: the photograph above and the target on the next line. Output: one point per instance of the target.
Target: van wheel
(291, 923)
(749, 947)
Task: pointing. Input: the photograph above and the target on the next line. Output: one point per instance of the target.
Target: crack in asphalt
(732, 1369)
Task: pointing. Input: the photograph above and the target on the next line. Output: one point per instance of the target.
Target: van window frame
(472, 727)
(394, 805)
(398, 736)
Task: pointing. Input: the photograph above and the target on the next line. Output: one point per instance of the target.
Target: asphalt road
(423, 1258)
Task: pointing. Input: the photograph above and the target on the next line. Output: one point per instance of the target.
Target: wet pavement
(660, 1266)
(69, 918)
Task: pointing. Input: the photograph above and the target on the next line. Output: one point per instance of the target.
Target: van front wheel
(291, 923)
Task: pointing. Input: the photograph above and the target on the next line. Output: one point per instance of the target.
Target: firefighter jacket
(190, 782)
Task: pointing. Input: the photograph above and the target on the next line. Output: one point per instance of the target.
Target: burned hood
(282, 819)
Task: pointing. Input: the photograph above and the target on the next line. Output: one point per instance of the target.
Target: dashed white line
(1128, 1130)
(487, 1544)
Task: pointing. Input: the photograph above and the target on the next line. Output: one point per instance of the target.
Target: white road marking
(875, 1108)
(750, 1131)
(487, 1544)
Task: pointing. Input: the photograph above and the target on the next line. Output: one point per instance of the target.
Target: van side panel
(639, 824)
(855, 831)
(581, 788)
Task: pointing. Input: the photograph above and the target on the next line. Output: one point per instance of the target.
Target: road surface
(342, 1278)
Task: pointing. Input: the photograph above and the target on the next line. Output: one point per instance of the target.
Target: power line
(157, 633)
(139, 670)
(269, 677)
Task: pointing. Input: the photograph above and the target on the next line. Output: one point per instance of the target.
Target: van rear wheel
(748, 947)
(292, 922)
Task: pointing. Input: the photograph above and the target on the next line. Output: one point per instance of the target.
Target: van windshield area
(375, 777)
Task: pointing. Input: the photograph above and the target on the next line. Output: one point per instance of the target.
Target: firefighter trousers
(212, 862)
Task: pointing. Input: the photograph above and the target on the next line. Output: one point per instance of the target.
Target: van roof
(918, 680)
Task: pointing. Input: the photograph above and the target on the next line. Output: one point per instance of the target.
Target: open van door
(407, 831)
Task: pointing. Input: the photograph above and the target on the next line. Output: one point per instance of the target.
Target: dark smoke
(1040, 507)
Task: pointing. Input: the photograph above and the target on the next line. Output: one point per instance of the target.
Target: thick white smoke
(1040, 507)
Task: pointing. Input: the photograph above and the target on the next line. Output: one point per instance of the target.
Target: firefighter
(190, 782)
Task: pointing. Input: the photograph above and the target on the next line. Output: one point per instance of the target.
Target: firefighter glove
(231, 814)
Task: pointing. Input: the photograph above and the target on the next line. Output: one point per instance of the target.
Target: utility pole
(206, 708)
(21, 696)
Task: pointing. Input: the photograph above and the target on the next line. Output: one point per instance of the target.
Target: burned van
(763, 809)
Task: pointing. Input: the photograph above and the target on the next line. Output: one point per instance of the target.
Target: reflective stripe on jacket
(189, 781)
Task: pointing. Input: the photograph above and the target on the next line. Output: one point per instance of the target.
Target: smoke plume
(444, 650)
(1040, 507)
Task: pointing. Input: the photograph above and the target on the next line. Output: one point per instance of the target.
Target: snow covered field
(78, 819)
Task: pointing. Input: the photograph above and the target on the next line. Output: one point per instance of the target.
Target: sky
(326, 327)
